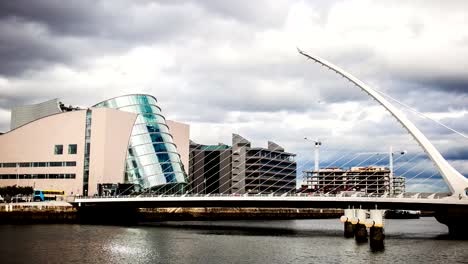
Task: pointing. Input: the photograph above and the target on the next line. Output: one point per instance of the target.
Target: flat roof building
(240, 168)
(121, 140)
(210, 168)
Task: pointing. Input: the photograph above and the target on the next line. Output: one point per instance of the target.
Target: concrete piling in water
(376, 238)
(346, 220)
(360, 230)
(356, 223)
(376, 230)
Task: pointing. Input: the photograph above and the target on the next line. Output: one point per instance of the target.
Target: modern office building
(369, 180)
(240, 168)
(210, 168)
(121, 140)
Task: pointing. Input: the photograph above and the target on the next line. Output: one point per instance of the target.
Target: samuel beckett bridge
(361, 211)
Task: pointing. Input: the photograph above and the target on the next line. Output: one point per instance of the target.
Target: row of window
(72, 149)
(38, 176)
(38, 164)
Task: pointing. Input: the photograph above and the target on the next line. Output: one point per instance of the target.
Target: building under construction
(369, 180)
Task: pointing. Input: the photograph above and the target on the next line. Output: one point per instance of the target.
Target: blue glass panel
(151, 109)
(152, 158)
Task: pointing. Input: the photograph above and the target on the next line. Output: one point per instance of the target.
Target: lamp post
(317, 144)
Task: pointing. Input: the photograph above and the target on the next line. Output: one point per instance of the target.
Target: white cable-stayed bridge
(450, 210)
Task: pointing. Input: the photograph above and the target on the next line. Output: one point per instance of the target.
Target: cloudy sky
(232, 67)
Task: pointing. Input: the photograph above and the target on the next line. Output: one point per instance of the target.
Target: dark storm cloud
(36, 34)
(75, 18)
(102, 19)
(455, 85)
(457, 153)
(25, 46)
(43, 32)
(28, 33)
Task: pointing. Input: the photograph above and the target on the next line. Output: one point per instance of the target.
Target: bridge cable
(302, 166)
(289, 182)
(356, 184)
(355, 157)
(422, 114)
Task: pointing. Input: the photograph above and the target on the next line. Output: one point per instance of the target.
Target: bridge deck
(274, 202)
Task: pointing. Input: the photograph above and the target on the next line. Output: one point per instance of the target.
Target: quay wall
(181, 214)
(67, 214)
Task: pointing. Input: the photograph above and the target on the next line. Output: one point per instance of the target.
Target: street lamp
(317, 144)
(390, 161)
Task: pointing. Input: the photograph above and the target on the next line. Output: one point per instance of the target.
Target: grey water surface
(213, 242)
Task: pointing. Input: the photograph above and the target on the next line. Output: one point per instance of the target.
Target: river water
(290, 241)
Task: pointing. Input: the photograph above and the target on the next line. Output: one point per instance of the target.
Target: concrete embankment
(184, 214)
(38, 213)
(42, 213)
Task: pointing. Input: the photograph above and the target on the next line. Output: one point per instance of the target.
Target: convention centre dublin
(124, 140)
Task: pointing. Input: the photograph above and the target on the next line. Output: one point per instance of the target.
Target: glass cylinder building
(153, 163)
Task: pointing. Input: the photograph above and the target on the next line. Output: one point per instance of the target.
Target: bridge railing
(408, 195)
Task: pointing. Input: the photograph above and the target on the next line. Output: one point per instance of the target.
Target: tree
(15, 190)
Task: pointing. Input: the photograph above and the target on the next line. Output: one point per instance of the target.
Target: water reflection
(299, 241)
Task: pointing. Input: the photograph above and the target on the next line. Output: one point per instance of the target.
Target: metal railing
(429, 196)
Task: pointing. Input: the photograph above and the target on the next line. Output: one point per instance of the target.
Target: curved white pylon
(455, 180)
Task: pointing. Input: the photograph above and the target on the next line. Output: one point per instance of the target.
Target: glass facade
(153, 162)
(87, 151)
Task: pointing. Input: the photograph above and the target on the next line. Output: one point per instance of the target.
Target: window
(25, 164)
(36, 176)
(55, 164)
(70, 163)
(58, 150)
(72, 148)
(9, 165)
(39, 164)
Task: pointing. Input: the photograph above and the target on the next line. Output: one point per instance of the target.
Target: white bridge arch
(456, 182)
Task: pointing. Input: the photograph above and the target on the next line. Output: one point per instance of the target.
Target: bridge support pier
(456, 221)
(376, 238)
(360, 230)
(360, 233)
(376, 230)
(346, 220)
(348, 229)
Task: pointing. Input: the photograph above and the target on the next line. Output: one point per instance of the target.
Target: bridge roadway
(430, 203)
